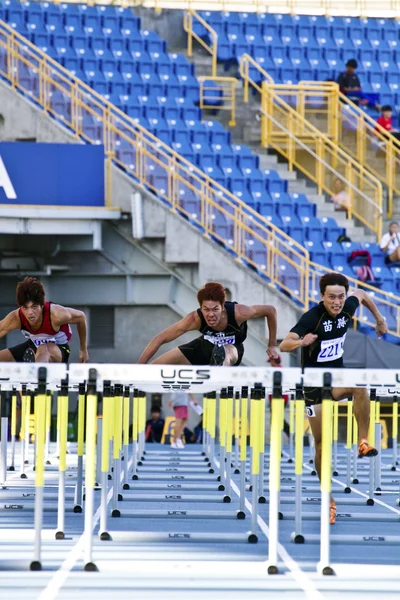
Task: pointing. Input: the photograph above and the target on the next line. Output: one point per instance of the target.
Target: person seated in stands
(155, 426)
(350, 86)
(390, 243)
(386, 121)
(340, 197)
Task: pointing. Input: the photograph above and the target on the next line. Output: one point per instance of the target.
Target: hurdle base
(116, 513)
(393, 468)
(35, 565)
(240, 515)
(77, 509)
(90, 567)
(335, 473)
(211, 470)
(126, 486)
(48, 462)
(313, 472)
(140, 463)
(252, 538)
(120, 497)
(227, 499)
(60, 535)
(326, 570)
(347, 490)
(272, 570)
(280, 516)
(11, 468)
(298, 538)
(370, 502)
(23, 476)
(135, 477)
(109, 477)
(262, 500)
(290, 460)
(237, 471)
(105, 536)
(221, 487)
(355, 481)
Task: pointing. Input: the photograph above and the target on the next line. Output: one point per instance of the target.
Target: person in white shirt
(390, 243)
(179, 401)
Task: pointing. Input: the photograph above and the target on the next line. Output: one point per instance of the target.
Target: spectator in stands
(350, 86)
(340, 197)
(390, 243)
(155, 426)
(386, 121)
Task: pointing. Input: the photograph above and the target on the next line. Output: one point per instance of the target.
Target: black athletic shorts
(19, 351)
(199, 351)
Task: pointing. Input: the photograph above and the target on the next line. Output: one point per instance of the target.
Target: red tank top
(45, 334)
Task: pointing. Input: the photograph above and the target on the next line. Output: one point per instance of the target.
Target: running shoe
(174, 445)
(364, 449)
(332, 512)
(29, 355)
(218, 356)
(179, 444)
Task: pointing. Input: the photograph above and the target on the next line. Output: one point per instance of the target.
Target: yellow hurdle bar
(335, 435)
(395, 431)
(108, 409)
(40, 435)
(90, 472)
(62, 465)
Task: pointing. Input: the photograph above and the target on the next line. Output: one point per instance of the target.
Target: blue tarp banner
(51, 174)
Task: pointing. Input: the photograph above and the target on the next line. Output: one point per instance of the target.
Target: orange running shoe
(364, 449)
(332, 512)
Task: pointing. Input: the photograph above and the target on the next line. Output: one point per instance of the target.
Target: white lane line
(300, 576)
(53, 587)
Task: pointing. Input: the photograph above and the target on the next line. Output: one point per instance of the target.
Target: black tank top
(232, 334)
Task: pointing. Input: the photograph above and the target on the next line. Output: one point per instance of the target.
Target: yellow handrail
(188, 18)
(226, 101)
(246, 61)
(331, 112)
(315, 154)
(156, 167)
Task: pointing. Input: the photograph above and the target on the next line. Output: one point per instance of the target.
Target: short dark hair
(30, 290)
(212, 291)
(333, 279)
(352, 63)
(387, 107)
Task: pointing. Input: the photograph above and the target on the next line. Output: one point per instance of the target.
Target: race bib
(40, 342)
(331, 349)
(220, 340)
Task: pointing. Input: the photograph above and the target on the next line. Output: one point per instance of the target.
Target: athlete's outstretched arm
(62, 315)
(9, 323)
(293, 341)
(244, 313)
(188, 323)
(381, 327)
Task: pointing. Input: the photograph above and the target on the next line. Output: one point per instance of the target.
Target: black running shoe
(218, 356)
(29, 355)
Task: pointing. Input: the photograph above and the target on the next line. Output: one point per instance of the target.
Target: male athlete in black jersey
(320, 333)
(223, 326)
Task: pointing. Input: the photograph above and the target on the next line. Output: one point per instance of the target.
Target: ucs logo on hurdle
(183, 379)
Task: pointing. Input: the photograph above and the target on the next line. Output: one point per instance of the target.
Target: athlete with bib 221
(45, 325)
(223, 326)
(320, 333)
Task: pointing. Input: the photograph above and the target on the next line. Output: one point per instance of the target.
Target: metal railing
(314, 153)
(363, 8)
(190, 17)
(219, 93)
(334, 115)
(179, 184)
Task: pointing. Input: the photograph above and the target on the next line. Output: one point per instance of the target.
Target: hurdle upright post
(378, 441)
(243, 451)
(261, 447)
(117, 448)
(255, 412)
(223, 398)
(81, 438)
(297, 536)
(395, 431)
(237, 433)
(135, 420)
(23, 432)
(62, 464)
(4, 436)
(13, 427)
(349, 440)
(90, 470)
(126, 404)
(40, 422)
(105, 460)
(228, 443)
(335, 436)
(326, 473)
(277, 407)
(371, 439)
(291, 426)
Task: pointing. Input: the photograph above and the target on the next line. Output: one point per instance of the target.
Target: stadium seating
(131, 67)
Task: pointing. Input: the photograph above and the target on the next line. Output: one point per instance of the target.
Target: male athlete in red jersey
(45, 325)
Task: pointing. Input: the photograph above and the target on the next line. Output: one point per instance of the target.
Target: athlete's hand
(381, 327)
(308, 339)
(272, 352)
(83, 356)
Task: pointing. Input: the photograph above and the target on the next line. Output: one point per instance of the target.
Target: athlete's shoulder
(12, 319)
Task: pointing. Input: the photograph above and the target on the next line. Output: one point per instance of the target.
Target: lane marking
(299, 575)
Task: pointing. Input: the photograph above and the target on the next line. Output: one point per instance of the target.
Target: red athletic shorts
(181, 412)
